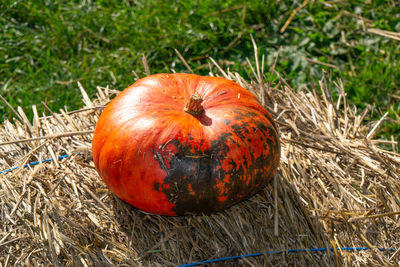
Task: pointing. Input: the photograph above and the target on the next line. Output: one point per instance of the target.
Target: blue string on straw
(280, 251)
(34, 163)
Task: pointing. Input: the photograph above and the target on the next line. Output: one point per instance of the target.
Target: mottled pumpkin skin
(155, 156)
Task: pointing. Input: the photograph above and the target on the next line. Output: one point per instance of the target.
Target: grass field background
(46, 46)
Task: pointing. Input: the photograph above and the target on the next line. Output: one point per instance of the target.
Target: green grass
(46, 46)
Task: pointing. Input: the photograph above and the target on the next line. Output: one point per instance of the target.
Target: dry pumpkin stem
(193, 106)
(334, 188)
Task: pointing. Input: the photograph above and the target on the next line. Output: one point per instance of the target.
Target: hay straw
(388, 34)
(334, 188)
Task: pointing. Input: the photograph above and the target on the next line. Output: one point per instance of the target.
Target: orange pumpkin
(177, 144)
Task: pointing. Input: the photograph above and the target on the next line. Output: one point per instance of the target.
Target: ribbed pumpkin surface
(158, 157)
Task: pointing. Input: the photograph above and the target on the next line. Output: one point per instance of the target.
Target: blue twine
(280, 251)
(34, 163)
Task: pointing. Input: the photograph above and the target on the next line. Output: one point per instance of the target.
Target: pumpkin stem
(194, 106)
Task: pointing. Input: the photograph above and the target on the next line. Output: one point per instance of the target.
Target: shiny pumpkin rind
(163, 160)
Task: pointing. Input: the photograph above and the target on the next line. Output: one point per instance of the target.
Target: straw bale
(335, 187)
